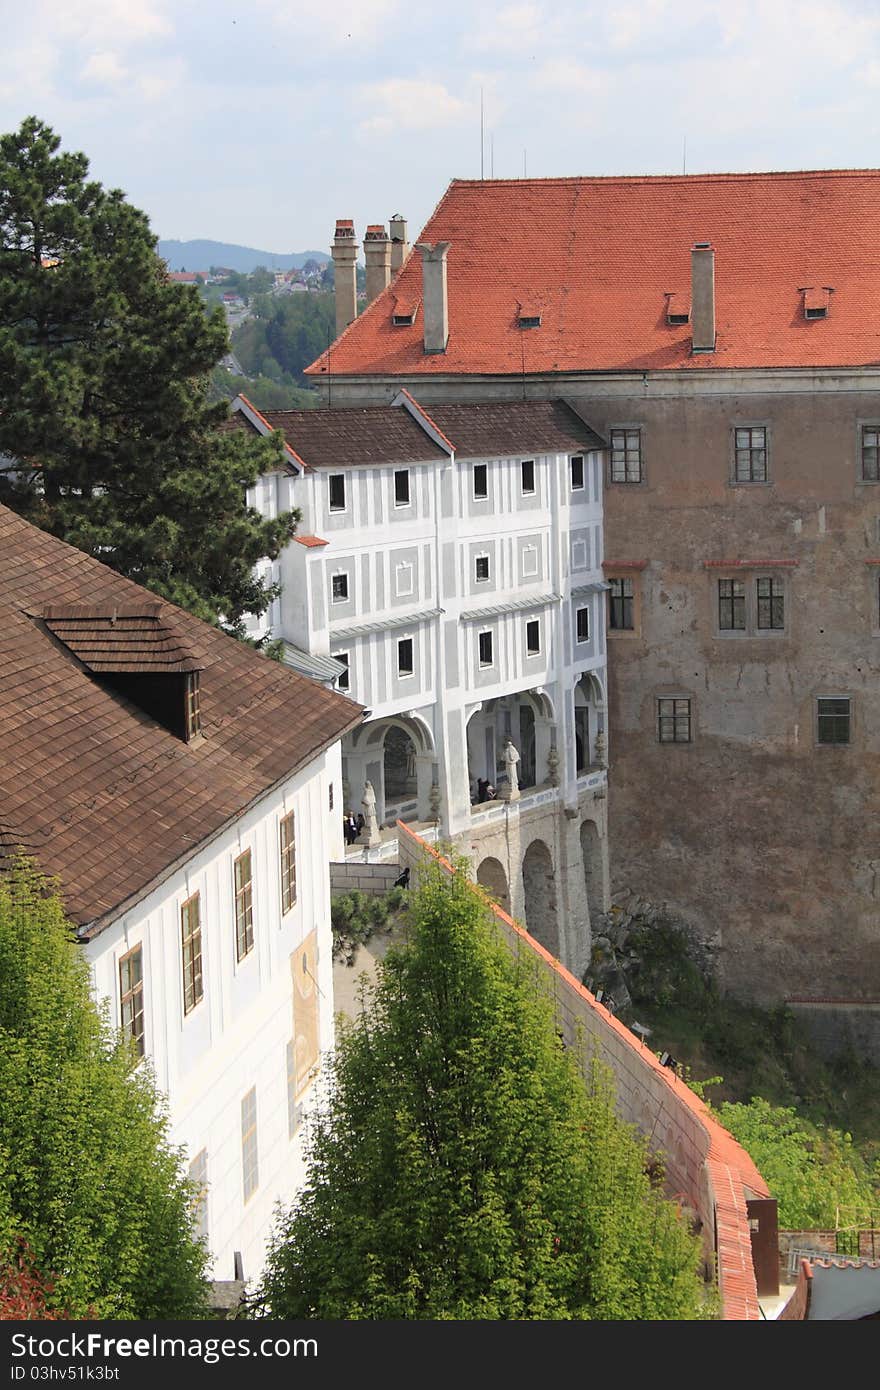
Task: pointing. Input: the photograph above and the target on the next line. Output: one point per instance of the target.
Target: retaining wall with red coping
(705, 1166)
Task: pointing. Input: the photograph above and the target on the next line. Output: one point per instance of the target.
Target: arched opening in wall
(399, 765)
(589, 708)
(491, 876)
(526, 745)
(591, 852)
(528, 719)
(539, 891)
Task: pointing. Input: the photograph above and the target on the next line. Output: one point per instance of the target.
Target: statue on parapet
(510, 758)
(370, 834)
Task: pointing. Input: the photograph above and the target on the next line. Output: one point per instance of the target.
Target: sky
(261, 122)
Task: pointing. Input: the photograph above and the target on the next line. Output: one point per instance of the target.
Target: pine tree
(90, 1190)
(104, 369)
(464, 1169)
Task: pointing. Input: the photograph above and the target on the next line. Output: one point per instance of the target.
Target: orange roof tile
(310, 541)
(602, 256)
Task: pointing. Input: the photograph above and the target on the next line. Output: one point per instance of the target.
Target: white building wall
(236, 1037)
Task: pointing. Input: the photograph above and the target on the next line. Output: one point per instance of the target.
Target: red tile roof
(101, 794)
(601, 255)
(310, 541)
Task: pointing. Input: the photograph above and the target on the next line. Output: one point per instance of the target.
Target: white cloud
(104, 68)
(116, 23)
(404, 103)
(345, 23)
(568, 75)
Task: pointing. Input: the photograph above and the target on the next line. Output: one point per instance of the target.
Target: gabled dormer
(136, 651)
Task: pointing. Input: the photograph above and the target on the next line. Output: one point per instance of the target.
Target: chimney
(377, 254)
(702, 297)
(344, 251)
(434, 303)
(399, 243)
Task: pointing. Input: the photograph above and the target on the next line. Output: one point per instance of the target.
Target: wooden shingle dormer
(136, 651)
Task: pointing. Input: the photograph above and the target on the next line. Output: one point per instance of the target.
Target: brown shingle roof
(122, 638)
(104, 796)
(354, 437)
(504, 428)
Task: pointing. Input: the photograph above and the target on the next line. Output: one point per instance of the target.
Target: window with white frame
(401, 487)
(576, 466)
(582, 624)
(527, 477)
(405, 666)
(533, 637)
(481, 482)
(339, 587)
(481, 568)
(343, 679)
(336, 486)
(484, 644)
(529, 561)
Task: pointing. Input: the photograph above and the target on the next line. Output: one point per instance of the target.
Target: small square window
(481, 568)
(481, 482)
(405, 657)
(577, 473)
(485, 645)
(342, 680)
(339, 587)
(771, 604)
(401, 487)
(533, 637)
(626, 456)
(337, 492)
(750, 453)
(833, 718)
(871, 453)
(731, 605)
(582, 622)
(527, 471)
(674, 721)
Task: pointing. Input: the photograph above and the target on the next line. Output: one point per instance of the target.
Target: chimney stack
(434, 302)
(377, 254)
(702, 297)
(344, 251)
(399, 243)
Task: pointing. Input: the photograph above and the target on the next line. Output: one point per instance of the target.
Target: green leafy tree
(104, 366)
(464, 1169)
(89, 1186)
(292, 329)
(817, 1176)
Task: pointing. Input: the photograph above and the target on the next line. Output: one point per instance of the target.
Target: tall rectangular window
(193, 706)
(481, 568)
(191, 952)
(339, 588)
(674, 721)
(405, 665)
(871, 453)
(731, 605)
(833, 717)
(576, 464)
(771, 604)
(336, 483)
(533, 637)
(343, 679)
(198, 1176)
(582, 624)
(401, 487)
(527, 473)
(250, 1170)
(485, 646)
(131, 997)
(620, 605)
(244, 905)
(750, 452)
(287, 834)
(626, 456)
(481, 482)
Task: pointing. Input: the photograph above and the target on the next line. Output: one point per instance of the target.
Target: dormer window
(816, 301)
(678, 310)
(404, 311)
(193, 709)
(528, 317)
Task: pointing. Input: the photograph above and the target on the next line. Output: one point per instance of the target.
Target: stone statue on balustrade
(370, 834)
(510, 790)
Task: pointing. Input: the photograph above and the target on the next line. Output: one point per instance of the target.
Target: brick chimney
(399, 243)
(702, 297)
(435, 307)
(377, 254)
(344, 251)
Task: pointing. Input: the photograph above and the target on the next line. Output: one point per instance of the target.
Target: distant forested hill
(201, 255)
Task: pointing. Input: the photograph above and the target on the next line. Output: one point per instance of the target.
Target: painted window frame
(336, 507)
(287, 861)
(191, 957)
(486, 663)
(402, 672)
(407, 502)
(243, 899)
(619, 442)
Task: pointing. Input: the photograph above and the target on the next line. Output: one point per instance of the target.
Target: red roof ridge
(717, 176)
(420, 410)
(263, 421)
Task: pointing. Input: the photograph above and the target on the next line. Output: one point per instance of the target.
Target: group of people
(485, 790)
(352, 825)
